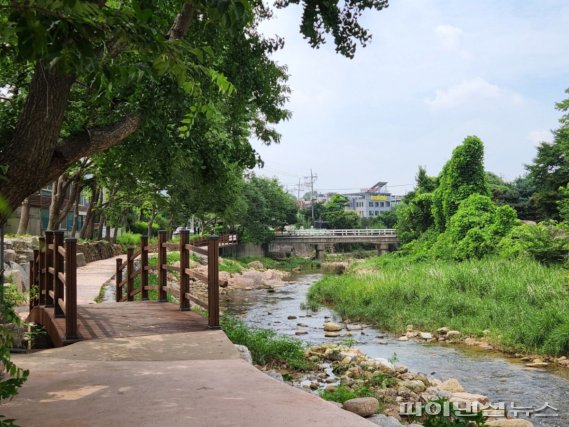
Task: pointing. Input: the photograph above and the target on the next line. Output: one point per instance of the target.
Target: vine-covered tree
(461, 176)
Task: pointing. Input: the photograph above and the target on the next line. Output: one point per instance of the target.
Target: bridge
(54, 288)
(381, 238)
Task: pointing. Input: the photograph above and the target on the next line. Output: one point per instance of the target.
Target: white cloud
(449, 36)
(470, 92)
(539, 136)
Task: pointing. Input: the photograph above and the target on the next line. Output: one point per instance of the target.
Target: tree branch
(90, 142)
(182, 22)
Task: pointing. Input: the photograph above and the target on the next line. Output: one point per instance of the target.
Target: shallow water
(491, 374)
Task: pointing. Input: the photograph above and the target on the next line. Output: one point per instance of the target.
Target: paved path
(91, 277)
(155, 381)
(157, 378)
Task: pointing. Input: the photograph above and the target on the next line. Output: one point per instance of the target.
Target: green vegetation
(523, 303)
(266, 347)
(343, 393)
(11, 377)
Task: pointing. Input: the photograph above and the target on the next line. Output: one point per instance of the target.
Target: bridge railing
(208, 247)
(338, 233)
(53, 279)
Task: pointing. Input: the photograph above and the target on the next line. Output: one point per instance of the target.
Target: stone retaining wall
(18, 252)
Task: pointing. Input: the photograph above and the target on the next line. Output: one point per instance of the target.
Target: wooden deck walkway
(128, 319)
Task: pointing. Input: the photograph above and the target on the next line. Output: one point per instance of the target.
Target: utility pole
(310, 180)
(298, 188)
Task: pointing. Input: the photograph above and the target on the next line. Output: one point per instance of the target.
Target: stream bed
(479, 371)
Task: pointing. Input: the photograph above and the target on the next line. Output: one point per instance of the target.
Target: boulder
(452, 335)
(300, 332)
(414, 385)
(537, 365)
(354, 327)
(443, 330)
(10, 255)
(363, 406)
(385, 421)
(469, 397)
(331, 334)
(505, 422)
(332, 327)
(244, 353)
(81, 260)
(256, 265)
(276, 375)
(451, 385)
(426, 335)
(404, 338)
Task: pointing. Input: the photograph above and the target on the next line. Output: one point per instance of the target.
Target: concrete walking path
(192, 379)
(91, 277)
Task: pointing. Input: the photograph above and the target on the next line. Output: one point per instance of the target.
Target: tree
(462, 176)
(268, 206)
(550, 168)
(415, 215)
(86, 75)
(336, 216)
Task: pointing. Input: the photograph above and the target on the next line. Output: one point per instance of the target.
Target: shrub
(544, 242)
(128, 239)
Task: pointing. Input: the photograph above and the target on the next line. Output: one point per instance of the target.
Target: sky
(435, 72)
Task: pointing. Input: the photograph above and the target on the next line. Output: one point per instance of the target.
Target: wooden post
(184, 264)
(41, 271)
(129, 273)
(213, 282)
(143, 267)
(118, 280)
(162, 272)
(58, 266)
(71, 332)
(48, 264)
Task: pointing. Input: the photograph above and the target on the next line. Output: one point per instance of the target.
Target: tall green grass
(523, 303)
(265, 345)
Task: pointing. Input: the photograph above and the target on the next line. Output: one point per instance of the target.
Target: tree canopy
(85, 75)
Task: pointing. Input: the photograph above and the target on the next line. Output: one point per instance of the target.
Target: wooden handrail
(186, 276)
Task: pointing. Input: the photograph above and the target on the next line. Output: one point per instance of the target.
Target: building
(39, 214)
(372, 201)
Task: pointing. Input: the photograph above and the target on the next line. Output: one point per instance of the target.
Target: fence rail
(338, 233)
(186, 275)
(53, 279)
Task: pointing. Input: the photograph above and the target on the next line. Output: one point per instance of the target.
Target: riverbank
(375, 388)
(514, 306)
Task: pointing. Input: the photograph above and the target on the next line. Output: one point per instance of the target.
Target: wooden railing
(53, 279)
(208, 247)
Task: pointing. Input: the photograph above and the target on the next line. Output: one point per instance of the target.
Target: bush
(141, 227)
(128, 239)
(544, 242)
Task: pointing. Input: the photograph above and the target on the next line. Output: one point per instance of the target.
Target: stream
(479, 371)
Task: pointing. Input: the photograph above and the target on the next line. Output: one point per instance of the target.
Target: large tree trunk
(87, 228)
(24, 217)
(34, 144)
(34, 155)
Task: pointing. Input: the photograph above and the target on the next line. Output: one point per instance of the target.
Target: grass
(343, 393)
(524, 304)
(266, 347)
